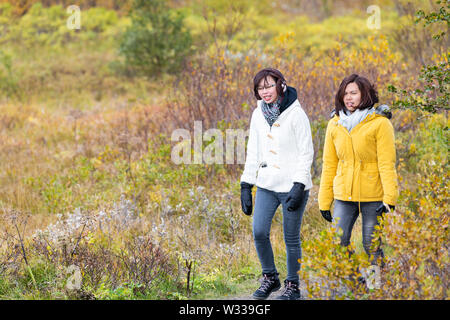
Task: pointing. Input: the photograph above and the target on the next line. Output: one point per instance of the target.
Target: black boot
(291, 291)
(269, 283)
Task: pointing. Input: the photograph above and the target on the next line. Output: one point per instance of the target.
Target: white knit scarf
(350, 120)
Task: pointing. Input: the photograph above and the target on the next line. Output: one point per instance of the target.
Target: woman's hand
(326, 214)
(246, 198)
(384, 207)
(295, 196)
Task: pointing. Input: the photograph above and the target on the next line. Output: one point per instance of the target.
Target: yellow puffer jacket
(359, 166)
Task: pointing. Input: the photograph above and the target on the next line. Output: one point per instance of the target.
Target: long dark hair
(369, 95)
(263, 74)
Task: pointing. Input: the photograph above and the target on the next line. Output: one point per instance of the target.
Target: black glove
(246, 198)
(295, 196)
(384, 208)
(326, 214)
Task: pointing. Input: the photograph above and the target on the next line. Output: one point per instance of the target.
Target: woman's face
(267, 89)
(352, 97)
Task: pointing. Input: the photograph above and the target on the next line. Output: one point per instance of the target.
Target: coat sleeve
(329, 167)
(251, 161)
(386, 161)
(303, 139)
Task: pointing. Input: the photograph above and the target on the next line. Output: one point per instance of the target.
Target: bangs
(369, 95)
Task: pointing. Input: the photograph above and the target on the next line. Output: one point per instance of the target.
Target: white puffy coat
(280, 155)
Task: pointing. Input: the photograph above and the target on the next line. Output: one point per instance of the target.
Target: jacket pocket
(371, 184)
(339, 181)
(338, 185)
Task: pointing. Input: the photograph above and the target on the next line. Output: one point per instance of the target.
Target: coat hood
(382, 110)
(289, 98)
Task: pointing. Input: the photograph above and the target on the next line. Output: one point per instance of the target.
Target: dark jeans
(266, 204)
(347, 212)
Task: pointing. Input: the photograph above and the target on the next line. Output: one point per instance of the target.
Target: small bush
(156, 42)
(8, 81)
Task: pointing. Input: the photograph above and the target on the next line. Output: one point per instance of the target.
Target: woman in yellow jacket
(358, 170)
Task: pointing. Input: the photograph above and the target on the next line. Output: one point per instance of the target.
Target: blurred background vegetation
(85, 125)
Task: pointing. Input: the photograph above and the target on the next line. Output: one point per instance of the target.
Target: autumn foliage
(89, 194)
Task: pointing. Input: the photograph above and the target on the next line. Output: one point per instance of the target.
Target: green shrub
(156, 42)
(8, 81)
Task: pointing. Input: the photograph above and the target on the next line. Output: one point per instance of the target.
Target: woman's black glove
(246, 198)
(326, 214)
(384, 207)
(295, 196)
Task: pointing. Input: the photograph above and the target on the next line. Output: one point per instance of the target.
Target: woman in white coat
(279, 157)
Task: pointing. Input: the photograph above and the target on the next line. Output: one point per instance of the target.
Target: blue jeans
(348, 212)
(266, 204)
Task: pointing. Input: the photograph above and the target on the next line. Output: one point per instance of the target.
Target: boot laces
(289, 289)
(266, 282)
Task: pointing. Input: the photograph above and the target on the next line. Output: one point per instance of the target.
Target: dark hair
(263, 74)
(369, 95)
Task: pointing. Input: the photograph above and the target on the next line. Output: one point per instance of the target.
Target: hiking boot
(269, 284)
(291, 291)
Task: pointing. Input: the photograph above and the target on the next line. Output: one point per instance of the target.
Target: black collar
(288, 99)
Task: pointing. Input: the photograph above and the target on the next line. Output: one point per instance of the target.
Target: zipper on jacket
(354, 168)
(354, 159)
